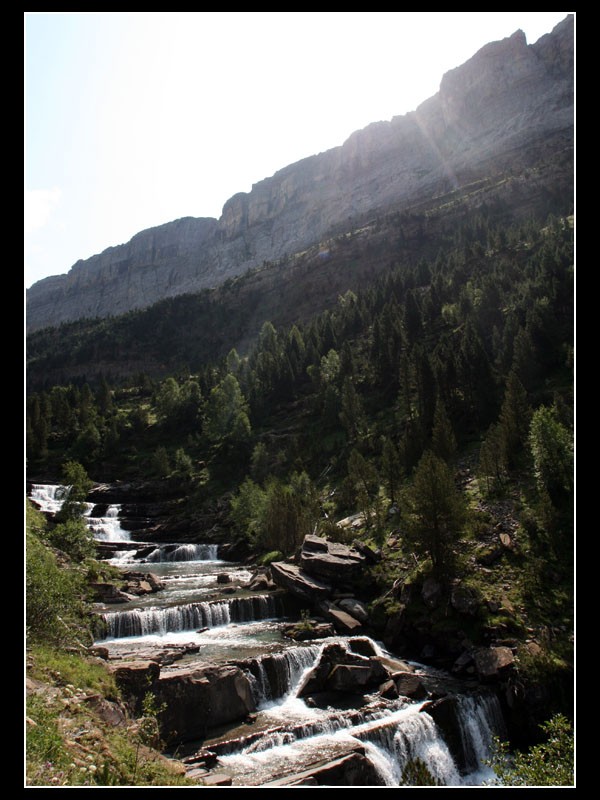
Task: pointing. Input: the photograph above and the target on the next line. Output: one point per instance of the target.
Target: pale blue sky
(136, 119)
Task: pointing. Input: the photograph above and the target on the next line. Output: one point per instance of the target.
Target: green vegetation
(550, 763)
(432, 405)
(72, 697)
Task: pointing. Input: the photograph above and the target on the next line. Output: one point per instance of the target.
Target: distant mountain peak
(508, 107)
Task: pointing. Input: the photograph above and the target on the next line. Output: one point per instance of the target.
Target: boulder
(301, 632)
(372, 556)
(362, 646)
(465, 600)
(330, 561)
(491, 662)
(355, 608)
(198, 699)
(339, 670)
(135, 678)
(290, 577)
(389, 690)
(223, 577)
(350, 769)
(349, 678)
(109, 593)
(261, 583)
(409, 685)
(342, 621)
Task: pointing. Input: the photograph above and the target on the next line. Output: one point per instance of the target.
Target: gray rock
(342, 621)
(491, 662)
(291, 577)
(355, 608)
(465, 600)
(198, 699)
(330, 561)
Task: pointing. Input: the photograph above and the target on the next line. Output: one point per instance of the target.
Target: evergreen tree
(352, 415)
(364, 481)
(227, 413)
(391, 468)
(259, 463)
(492, 464)
(552, 450)
(515, 415)
(435, 514)
(443, 440)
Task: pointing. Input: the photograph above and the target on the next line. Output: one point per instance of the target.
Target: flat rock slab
(292, 578)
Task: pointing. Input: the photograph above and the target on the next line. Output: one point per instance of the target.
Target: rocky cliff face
(509, 107)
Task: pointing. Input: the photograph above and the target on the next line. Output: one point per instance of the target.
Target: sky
(134, 119)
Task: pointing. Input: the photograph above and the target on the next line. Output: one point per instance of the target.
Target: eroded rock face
(330, 561)
(492, 662)
(508, 96)
(202, 698)
(291, 577)
(339, 670)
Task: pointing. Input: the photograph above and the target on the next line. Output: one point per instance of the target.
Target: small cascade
(189, 617)
(183, 552)
(48, 497)
(278, 674)
(107, 528)
(408, 737)
(480, 720)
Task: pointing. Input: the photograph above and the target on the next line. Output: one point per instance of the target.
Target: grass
(70, 742)
(62, 668)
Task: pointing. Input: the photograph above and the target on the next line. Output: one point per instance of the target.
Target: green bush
(53, 606)
(551, 763)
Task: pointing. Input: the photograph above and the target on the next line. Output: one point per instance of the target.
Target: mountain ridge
(510, 103)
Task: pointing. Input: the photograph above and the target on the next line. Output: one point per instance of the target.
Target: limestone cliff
(508, 108)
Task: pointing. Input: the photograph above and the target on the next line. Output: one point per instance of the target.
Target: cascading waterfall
(50, 497)
(107, 528)
(183, 552)
(412, 736)
(189, 617)
(393, 741)
(393, 734)
(480, 720)
(279, 674)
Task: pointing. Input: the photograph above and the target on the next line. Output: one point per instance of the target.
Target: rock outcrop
(508, 108)
(325, 568)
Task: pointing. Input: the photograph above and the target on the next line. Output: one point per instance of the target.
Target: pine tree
(435, 514)
(443, 440)
(515, 416)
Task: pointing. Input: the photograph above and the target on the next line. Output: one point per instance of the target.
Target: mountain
(505, 117)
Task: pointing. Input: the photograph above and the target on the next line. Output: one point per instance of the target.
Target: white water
(183, 552)
(392, 740)
(105, 529)
(392, 736)
(188, 617)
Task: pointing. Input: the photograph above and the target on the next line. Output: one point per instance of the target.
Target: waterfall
(399, 742)
(108, 528)
(278, 674)
(183, 552)
(480, 720)
(45, 496)
(50, 497)
(188, 617)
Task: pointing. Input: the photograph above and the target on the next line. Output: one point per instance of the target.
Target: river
(207, 614)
